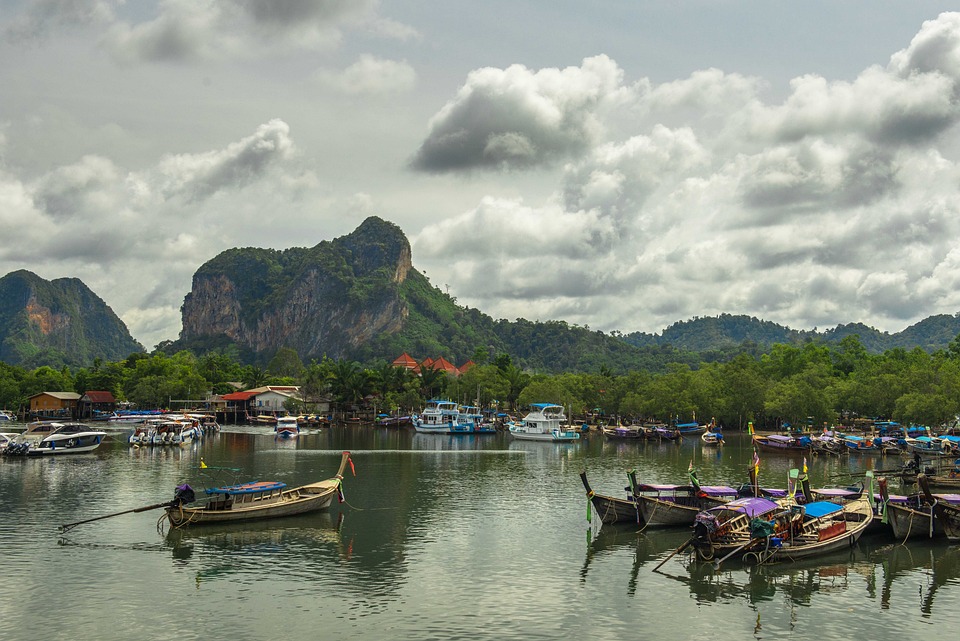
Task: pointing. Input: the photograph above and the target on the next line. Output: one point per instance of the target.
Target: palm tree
(349, 384)
(516, 380)
(255, 376)
(430, 380)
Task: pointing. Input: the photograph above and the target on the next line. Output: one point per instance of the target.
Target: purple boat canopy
(655, 487)
(836, 492)
(718, 490)
(752, 506)
(254, 487)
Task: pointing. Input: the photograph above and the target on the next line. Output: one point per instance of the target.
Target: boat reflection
(877, 566)
(286, 543)
(616, 539)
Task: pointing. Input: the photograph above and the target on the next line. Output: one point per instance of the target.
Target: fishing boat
(726, 527)
(784, 530)
(254, 501)
(860, 444)
(948, 515)
(923, 445)
(690, 429)
(624, 432)
(783, 443)
(6, 416)
(544, 423)
(44, 438)
(674, 505)
(470, 419)
(713, 437)
(611, 509)
(942, 477)
(439, 417)
(912, 516)
(662, 432)
(287, 427)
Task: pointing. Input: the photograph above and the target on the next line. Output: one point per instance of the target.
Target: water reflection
(801, 583)
(290, 546)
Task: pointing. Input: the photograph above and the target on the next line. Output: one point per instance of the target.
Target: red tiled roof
(100, 396)
(445, 365)
(466, 366)
(405, 360)
(238, 396)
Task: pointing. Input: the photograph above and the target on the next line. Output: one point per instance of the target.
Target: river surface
(439, 537)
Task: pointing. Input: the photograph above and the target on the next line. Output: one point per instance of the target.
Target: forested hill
(58, 322)
(728, 331)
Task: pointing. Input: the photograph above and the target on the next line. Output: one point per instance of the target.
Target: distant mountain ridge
(728, 330)
(56, 323)
(358, 297)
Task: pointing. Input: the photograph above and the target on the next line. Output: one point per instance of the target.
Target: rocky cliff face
(324, 300)
(58, 322)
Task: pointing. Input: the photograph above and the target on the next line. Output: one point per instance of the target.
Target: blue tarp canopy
(254, 487)
(821, 508)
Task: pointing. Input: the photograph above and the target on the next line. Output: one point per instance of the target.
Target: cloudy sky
(620, 165)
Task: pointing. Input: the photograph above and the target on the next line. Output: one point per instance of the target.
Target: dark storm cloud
(515, 118)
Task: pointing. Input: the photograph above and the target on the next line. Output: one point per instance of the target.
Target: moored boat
(611, 509)
(712, 437)
(948, 515)
(782, 443)
(624, 432)
(690, 429)
(254, 501)
(439, 417)
(674, 505)
(287, 427)
(544, 423)
(912, 516)
(45, 438)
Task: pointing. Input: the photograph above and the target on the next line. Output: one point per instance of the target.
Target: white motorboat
(51, 437)
(287, 427)
(544, 423)
(440, 417)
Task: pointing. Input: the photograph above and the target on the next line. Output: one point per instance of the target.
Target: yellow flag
(750, 428)
(203, 465)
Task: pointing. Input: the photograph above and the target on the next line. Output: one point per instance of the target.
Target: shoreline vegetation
(813, 385)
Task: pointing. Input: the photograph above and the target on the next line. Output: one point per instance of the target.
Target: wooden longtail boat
(255, 501)
(761, 533)
(673, 505)
(611, 509)
(913, 516)
(783, 444)
(948, 515)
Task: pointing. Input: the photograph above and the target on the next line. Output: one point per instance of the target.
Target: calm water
(440, 537)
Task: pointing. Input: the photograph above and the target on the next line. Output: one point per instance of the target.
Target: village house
(54, 405)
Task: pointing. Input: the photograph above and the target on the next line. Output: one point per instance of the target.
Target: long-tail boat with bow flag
(674, 505)
(762, 530)
(255, 500)
(948, 515)
(611, 509)
(912, 516)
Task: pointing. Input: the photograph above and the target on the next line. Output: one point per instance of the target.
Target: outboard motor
(183, 494)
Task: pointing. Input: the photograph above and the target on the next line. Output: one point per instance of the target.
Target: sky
(619, 165)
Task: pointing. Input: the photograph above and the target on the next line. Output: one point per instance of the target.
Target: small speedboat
(48, 437)
(287, 427)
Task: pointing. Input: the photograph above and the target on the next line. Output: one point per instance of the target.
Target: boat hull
(555, 437)
(309, 498)
(657, 512)
(909, 523)
(611, 509)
